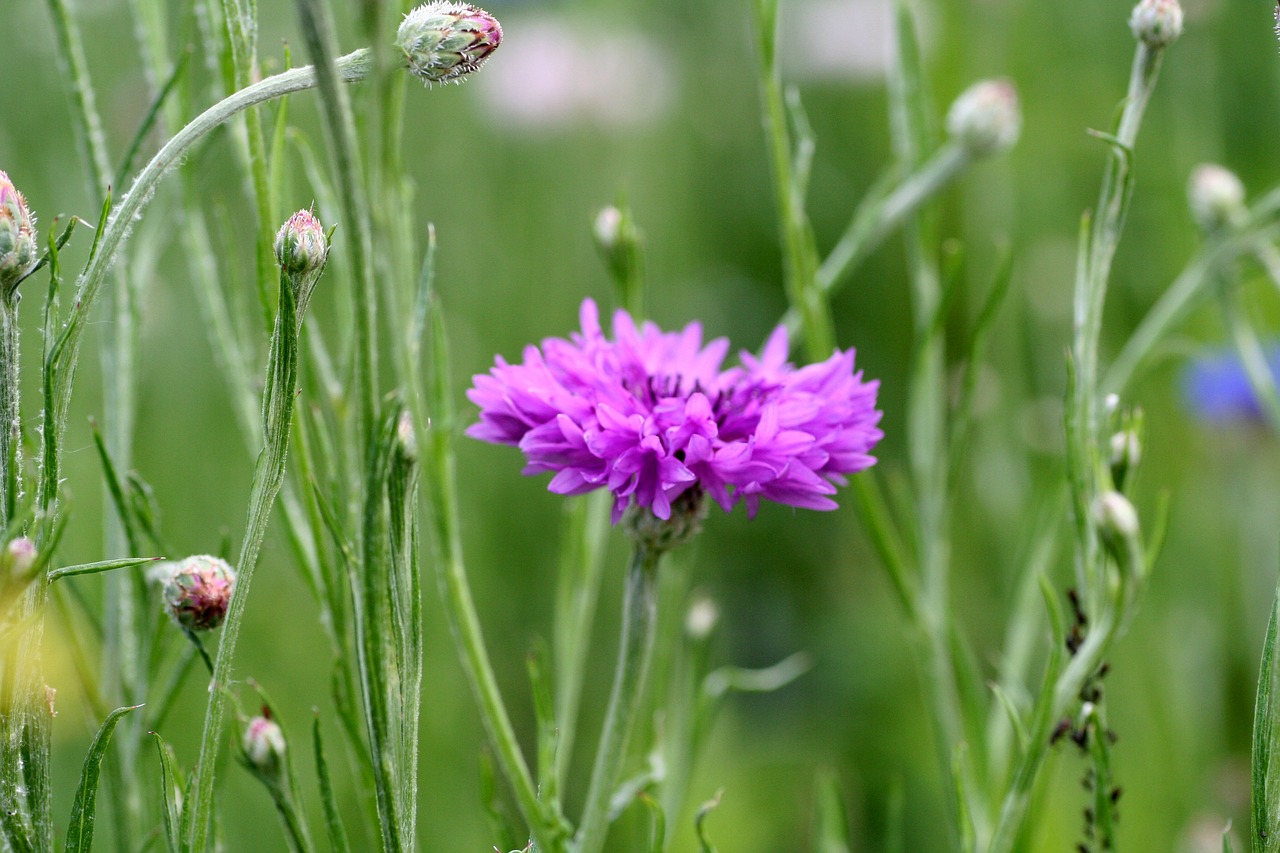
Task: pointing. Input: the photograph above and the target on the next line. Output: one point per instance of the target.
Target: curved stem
(639, 618)
(352, 67)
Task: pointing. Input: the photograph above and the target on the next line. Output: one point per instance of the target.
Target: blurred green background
(658, 100)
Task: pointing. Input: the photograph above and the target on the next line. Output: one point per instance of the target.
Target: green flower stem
(10, 413)
(1187, 290)
(872, 224)
(352, 67)
(1066, 692)
(442, 482)
(639, 618)
(799, 255)
(1084, 459)
(268, 475)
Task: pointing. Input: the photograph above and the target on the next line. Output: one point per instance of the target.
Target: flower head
(18, 247)
(986, 118)
(197, 591)
(1216, 197)
(651, 415)
(444, 41)
(263, 744)
(1156, 23)
(1216, 387)
(301, 246)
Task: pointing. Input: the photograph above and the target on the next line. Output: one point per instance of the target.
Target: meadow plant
(355, 436)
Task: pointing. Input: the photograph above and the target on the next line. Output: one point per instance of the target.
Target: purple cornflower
(651, 415)
(1216, 387)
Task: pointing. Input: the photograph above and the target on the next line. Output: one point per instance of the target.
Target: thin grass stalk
(125, 683)
(456, 590)
(317, 29)
(277, 411)
(242, 27)
(352, 67)
(927, 406)
(1084, 408)
(799, 254)
(10, 412)
(635, 648)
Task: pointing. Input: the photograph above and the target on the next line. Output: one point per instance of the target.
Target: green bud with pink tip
(18, 244)
(445, 41)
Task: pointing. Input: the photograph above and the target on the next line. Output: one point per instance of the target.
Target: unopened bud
(1115, 516)
(701, 619)
(986, 118)
(1216, 197)
(1156, 23)
(445, 41)
(618, 239)
(301, 244)
(1126, 453)
(406, 438)
(18, 243)
(18, 557)
(198, 591)
(264, 744)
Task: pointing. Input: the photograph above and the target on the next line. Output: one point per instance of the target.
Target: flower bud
(18, 243)
(1156, 23)
(701, 619)
(406, 438)
(443, 41)
(1126, 453)
(18, 557)
(1216, 197)
(301, 244)
(264, 744)
(986, 118)
(618, 239)
(198, 590)
(1115, 516)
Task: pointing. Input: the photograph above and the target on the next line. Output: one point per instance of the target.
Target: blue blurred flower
(1217, 390)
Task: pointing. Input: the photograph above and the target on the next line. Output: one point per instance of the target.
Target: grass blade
(80, 829)
(1266, 736)
(336, 832)
(100, 566)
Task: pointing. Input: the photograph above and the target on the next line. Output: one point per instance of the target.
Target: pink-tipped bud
(445, 41)
(198, 590)
(18, 242)
(986, 118)
(18, 556)
(302, 247)
(264, 744)
(1156, 23)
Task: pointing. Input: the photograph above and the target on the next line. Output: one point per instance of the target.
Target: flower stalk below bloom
(639, 618)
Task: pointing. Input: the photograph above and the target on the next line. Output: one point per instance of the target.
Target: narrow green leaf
(538, 664)
(80, 829)
(168, 810)
(502, 824)
(1266, 737)
(101, 566)
(114, 488)
(658, 832)
(833, 824)
(1015, 718)
(336, 832)
(700, 819)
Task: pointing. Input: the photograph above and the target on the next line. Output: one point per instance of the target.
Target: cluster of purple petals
(652, 414)
(1216, 386)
